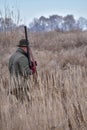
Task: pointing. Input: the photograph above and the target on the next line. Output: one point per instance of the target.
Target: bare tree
(69, 22)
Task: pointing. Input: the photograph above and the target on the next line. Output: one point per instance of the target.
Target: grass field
(58, 99)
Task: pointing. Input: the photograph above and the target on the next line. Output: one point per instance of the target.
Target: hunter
(19, 67)
(19, 62)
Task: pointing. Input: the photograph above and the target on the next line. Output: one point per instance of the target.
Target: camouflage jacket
(18, 64)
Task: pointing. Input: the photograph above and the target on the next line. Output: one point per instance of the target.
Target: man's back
(18, 64)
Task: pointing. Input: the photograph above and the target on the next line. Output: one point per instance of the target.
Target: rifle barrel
(28, 52)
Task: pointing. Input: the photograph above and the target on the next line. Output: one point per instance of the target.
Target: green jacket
(18, 64)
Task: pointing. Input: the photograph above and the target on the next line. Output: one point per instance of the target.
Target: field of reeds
(58, 96)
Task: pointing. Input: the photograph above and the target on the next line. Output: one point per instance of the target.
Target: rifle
(32, 62)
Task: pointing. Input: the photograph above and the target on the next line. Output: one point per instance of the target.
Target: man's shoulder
(20, 54)
(17, 56)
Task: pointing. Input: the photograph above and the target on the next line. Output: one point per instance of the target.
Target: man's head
(23, 44)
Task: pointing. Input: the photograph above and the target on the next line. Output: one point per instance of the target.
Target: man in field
(20, 70)
(19, 62)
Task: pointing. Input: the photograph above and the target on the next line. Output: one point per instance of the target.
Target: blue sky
(30, 9)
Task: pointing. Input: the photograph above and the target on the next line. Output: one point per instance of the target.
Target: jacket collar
(22, 51)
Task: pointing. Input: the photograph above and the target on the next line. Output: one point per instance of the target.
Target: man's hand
(33, 63)
(33, 69)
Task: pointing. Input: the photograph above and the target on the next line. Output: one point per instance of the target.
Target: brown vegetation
(58, 100)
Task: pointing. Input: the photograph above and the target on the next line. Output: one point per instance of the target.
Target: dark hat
(22, 43)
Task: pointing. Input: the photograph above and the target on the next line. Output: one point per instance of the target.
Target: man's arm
(24, 66)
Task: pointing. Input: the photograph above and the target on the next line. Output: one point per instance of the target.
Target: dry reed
(57, 102)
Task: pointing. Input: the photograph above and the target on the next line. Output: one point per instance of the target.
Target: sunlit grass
(58, 96)
(57, 100)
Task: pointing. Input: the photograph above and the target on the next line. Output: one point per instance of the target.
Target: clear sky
(30, 9)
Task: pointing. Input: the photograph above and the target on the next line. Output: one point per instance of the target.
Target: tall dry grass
(58, 100)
